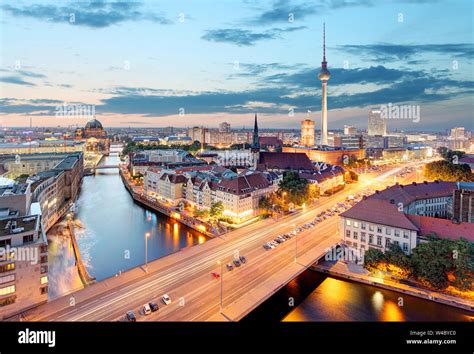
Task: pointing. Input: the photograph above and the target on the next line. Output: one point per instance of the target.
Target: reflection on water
(317, 297)
(62, 270)
(340, 300)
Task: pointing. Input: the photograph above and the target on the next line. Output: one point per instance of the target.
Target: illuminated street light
(147, 235)
(221, 276)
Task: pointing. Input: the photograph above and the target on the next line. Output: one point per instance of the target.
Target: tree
(372, 259)
(395, 256)
(463, 263)
(216, 210)
(204, 214)
(431, 262)
(293, 188)
(447, 171)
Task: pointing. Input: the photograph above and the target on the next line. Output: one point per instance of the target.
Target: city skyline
(224, 65)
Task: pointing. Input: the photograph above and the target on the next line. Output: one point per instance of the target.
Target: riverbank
(355, 272)
(150, 203)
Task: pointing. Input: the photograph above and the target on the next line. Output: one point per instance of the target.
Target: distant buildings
(458, 140)
(307, 133)
(224, 127)
(377, 125)
(95, 137)
(42, 147)
(404, 215)
(350, 130)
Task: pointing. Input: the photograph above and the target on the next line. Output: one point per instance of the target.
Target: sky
(186, 63)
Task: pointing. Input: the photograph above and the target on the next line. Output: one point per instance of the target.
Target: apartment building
(23, 264)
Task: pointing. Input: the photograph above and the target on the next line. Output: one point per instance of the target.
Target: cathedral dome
(94, 124)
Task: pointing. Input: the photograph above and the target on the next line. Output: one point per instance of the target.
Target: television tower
(324, 76)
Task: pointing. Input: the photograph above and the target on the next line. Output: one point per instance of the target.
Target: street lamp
(146, 251)
(221, 276)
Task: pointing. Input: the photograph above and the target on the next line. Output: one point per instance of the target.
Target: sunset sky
(139, 62)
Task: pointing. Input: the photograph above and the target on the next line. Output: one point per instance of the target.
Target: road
(186, 276)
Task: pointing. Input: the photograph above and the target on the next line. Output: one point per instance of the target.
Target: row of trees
(449, 169)
(437, 263)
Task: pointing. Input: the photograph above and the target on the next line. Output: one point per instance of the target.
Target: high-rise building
(324, 76)
(224, 127)
(377, 125)
(350, 130)
(307, 133)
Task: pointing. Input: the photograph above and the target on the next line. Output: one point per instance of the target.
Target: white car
(166, 299)
(146, 309)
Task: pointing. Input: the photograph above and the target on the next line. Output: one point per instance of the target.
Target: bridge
(105, 167)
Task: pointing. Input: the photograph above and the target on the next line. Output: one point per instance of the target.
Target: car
(267, 246)
(166, 299)
(215, 275)
(153, 306)
(243, 259)
(237, 263)
(131, 316)
(146, 309)
(274, 243)
(229, 266)
(280, 239)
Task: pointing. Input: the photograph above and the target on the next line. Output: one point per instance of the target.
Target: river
(111, 238)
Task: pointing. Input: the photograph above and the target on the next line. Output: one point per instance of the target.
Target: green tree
(447, 171)
(293, 188)
(431, 262)
(372, 259)
(394, 255)
(463, 263)
(216, 210)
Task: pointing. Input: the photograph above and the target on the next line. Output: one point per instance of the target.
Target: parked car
(267, 246)
(166, 299)
(237, 262)
(215, 275)
(131, 316)
(153, 306)
(243, 259)
(146, 309)
(229, 266)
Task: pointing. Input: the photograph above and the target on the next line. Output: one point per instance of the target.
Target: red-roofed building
(282, 161)
(404, 215)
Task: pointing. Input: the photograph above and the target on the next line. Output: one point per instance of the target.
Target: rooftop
(18, 225)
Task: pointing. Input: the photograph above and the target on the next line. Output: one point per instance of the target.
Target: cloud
(281, 11)
(92, 14)
(243, 37)
(15, 80)
(398, 52)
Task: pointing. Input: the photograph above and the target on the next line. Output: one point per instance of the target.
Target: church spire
(255, 142)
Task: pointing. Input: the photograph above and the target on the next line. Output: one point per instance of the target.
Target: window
(388, 231)
(27, 238)
(371, 227)
(5, 243)
(397, 233)
(7, 290)
(405, 246)
(379, 240)
(405, 234)
(379, 229)
(44, 290)
(387, 242)
(7, 278)
(355, 235)
(371, 238)
(356, 224)
(362, 236)
(348, 233)
(362, 226)
(395, 242)
(7, 267)
(348, 222)
(44, 280)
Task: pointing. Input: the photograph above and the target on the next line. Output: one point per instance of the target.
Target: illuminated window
(356, 224)
(7, 290)
(348, 222)
(44, 280)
